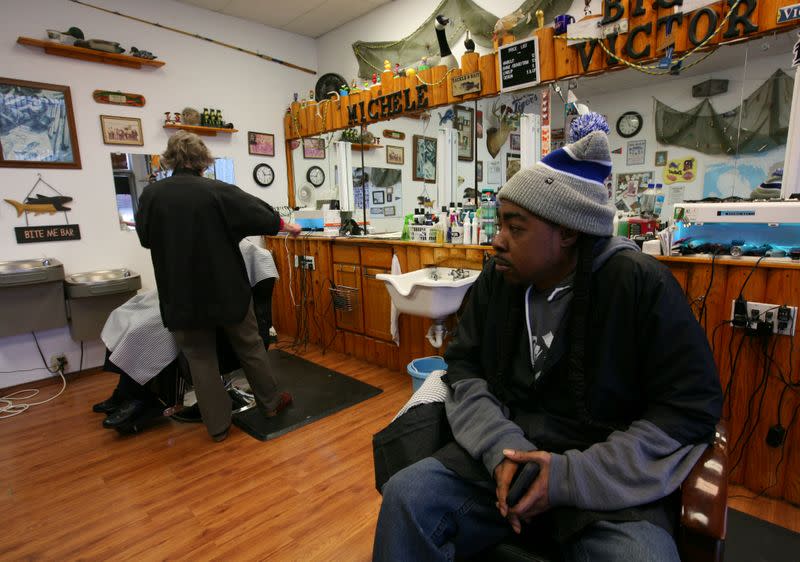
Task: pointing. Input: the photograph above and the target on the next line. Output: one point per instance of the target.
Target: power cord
(13, 405)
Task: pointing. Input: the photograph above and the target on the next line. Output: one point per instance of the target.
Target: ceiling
(312, 18)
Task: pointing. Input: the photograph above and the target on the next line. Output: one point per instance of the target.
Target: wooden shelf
(355, 146)
(90, 55)
(205, 131)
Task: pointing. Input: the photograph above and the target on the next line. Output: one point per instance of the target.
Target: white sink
(432, 292)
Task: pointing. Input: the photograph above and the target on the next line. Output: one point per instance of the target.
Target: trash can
(419, 369)
(91, 296)
(31, 296)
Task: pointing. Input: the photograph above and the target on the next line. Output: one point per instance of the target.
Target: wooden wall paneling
(681, 273)
(438, 92)
(470, 62)
(547, 54)
(387, 82)
(322, 282)
(449, 85)
(744, 7)
(768, 17)
(744, 385)
(488, 66)
(566, 59)
(791, 462)
(329, 112)
(426, 256)
(310, 118)
(343, 111)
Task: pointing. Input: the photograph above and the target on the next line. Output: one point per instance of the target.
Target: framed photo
(512, 165)
(314, 148)
(424, 159)
(395, 155)
(661, 158)
(635, 153)
(388, 211)
(479, 124)
(479, 171)
(260, 144)
(121, 130)
(514, 142)
(464, 122)
(378, 198)
(37, 129)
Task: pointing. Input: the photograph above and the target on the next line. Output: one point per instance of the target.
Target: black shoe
(125, 413)
(220, 436)
(108, 405)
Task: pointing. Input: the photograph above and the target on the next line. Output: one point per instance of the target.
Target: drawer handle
(370, 276)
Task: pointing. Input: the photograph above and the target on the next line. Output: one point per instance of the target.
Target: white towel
(394, 314)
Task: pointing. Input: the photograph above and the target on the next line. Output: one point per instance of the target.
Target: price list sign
(519, 64)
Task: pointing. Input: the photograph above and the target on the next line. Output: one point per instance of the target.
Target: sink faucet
(434, 273)
(45, 261)
(459, 273)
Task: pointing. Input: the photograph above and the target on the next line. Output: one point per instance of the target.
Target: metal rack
(343, 297)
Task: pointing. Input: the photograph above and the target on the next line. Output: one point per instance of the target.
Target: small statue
(177, 118)
(397, 69)
(167, 118)
(374, 77)
(387, 65)
(423, 64)
(469, 44)
(311, 95)
(296, 97)
(586, 9)
(540, 18)
(411, 72)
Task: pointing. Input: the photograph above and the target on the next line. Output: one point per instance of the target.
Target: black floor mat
(317, 392)
(754, 540)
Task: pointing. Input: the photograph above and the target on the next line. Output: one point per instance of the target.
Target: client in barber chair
(542, 377)
(192, 226)
(145, 355)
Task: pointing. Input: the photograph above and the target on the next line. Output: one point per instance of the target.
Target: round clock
(315, 176)
(263, 175)
(629, 124)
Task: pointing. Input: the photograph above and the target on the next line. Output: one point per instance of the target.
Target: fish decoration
(40, 205)
(446, 116)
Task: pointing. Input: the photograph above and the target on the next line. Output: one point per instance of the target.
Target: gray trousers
(200, 349)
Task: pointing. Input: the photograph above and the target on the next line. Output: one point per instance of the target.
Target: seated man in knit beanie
(579, 353)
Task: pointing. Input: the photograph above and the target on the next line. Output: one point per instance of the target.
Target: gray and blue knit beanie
(567, 186)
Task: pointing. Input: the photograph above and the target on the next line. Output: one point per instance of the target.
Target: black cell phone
(522, 482)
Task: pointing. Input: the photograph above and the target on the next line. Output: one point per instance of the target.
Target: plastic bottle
(475, 227)
(647, 200)
(467, 230)
(658, 205)
(488, 216)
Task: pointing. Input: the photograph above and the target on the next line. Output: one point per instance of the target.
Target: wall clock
(315, 176)
(629, 124)
(263, 175)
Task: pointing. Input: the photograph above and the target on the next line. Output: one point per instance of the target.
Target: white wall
(251, 92)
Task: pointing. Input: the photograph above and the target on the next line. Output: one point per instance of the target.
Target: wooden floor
(71, 489)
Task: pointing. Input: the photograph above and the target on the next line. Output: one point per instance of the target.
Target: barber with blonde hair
(192, 226)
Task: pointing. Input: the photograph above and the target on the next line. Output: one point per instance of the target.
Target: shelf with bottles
(200, 130)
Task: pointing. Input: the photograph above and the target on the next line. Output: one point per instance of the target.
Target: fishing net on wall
(464, 15)
(764, 122)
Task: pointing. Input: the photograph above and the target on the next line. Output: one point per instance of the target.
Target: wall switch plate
(782, 318)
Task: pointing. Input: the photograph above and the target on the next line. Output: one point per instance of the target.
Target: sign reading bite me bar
(519, 64)
(28, 234)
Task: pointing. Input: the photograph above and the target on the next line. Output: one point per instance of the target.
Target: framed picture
(260, 144)
(464, 122)
(512, 165)
(514, 141)
(37, 129)
(479, 124)
(378, 198)
(635, 153)
(389, 212)
(424, 159)
(121, 130)
(661, 158)
(479, 171)
(395, 155)
(314, 148)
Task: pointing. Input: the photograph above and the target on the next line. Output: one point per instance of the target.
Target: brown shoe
(285, 402)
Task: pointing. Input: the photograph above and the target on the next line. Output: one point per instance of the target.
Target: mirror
(133, 172)
(716, 151)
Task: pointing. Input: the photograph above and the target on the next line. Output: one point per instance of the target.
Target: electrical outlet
(306, 262)
(782, 318)
(58, 362)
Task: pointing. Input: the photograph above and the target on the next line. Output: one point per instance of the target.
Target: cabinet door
(348, 279)
(377, 305)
